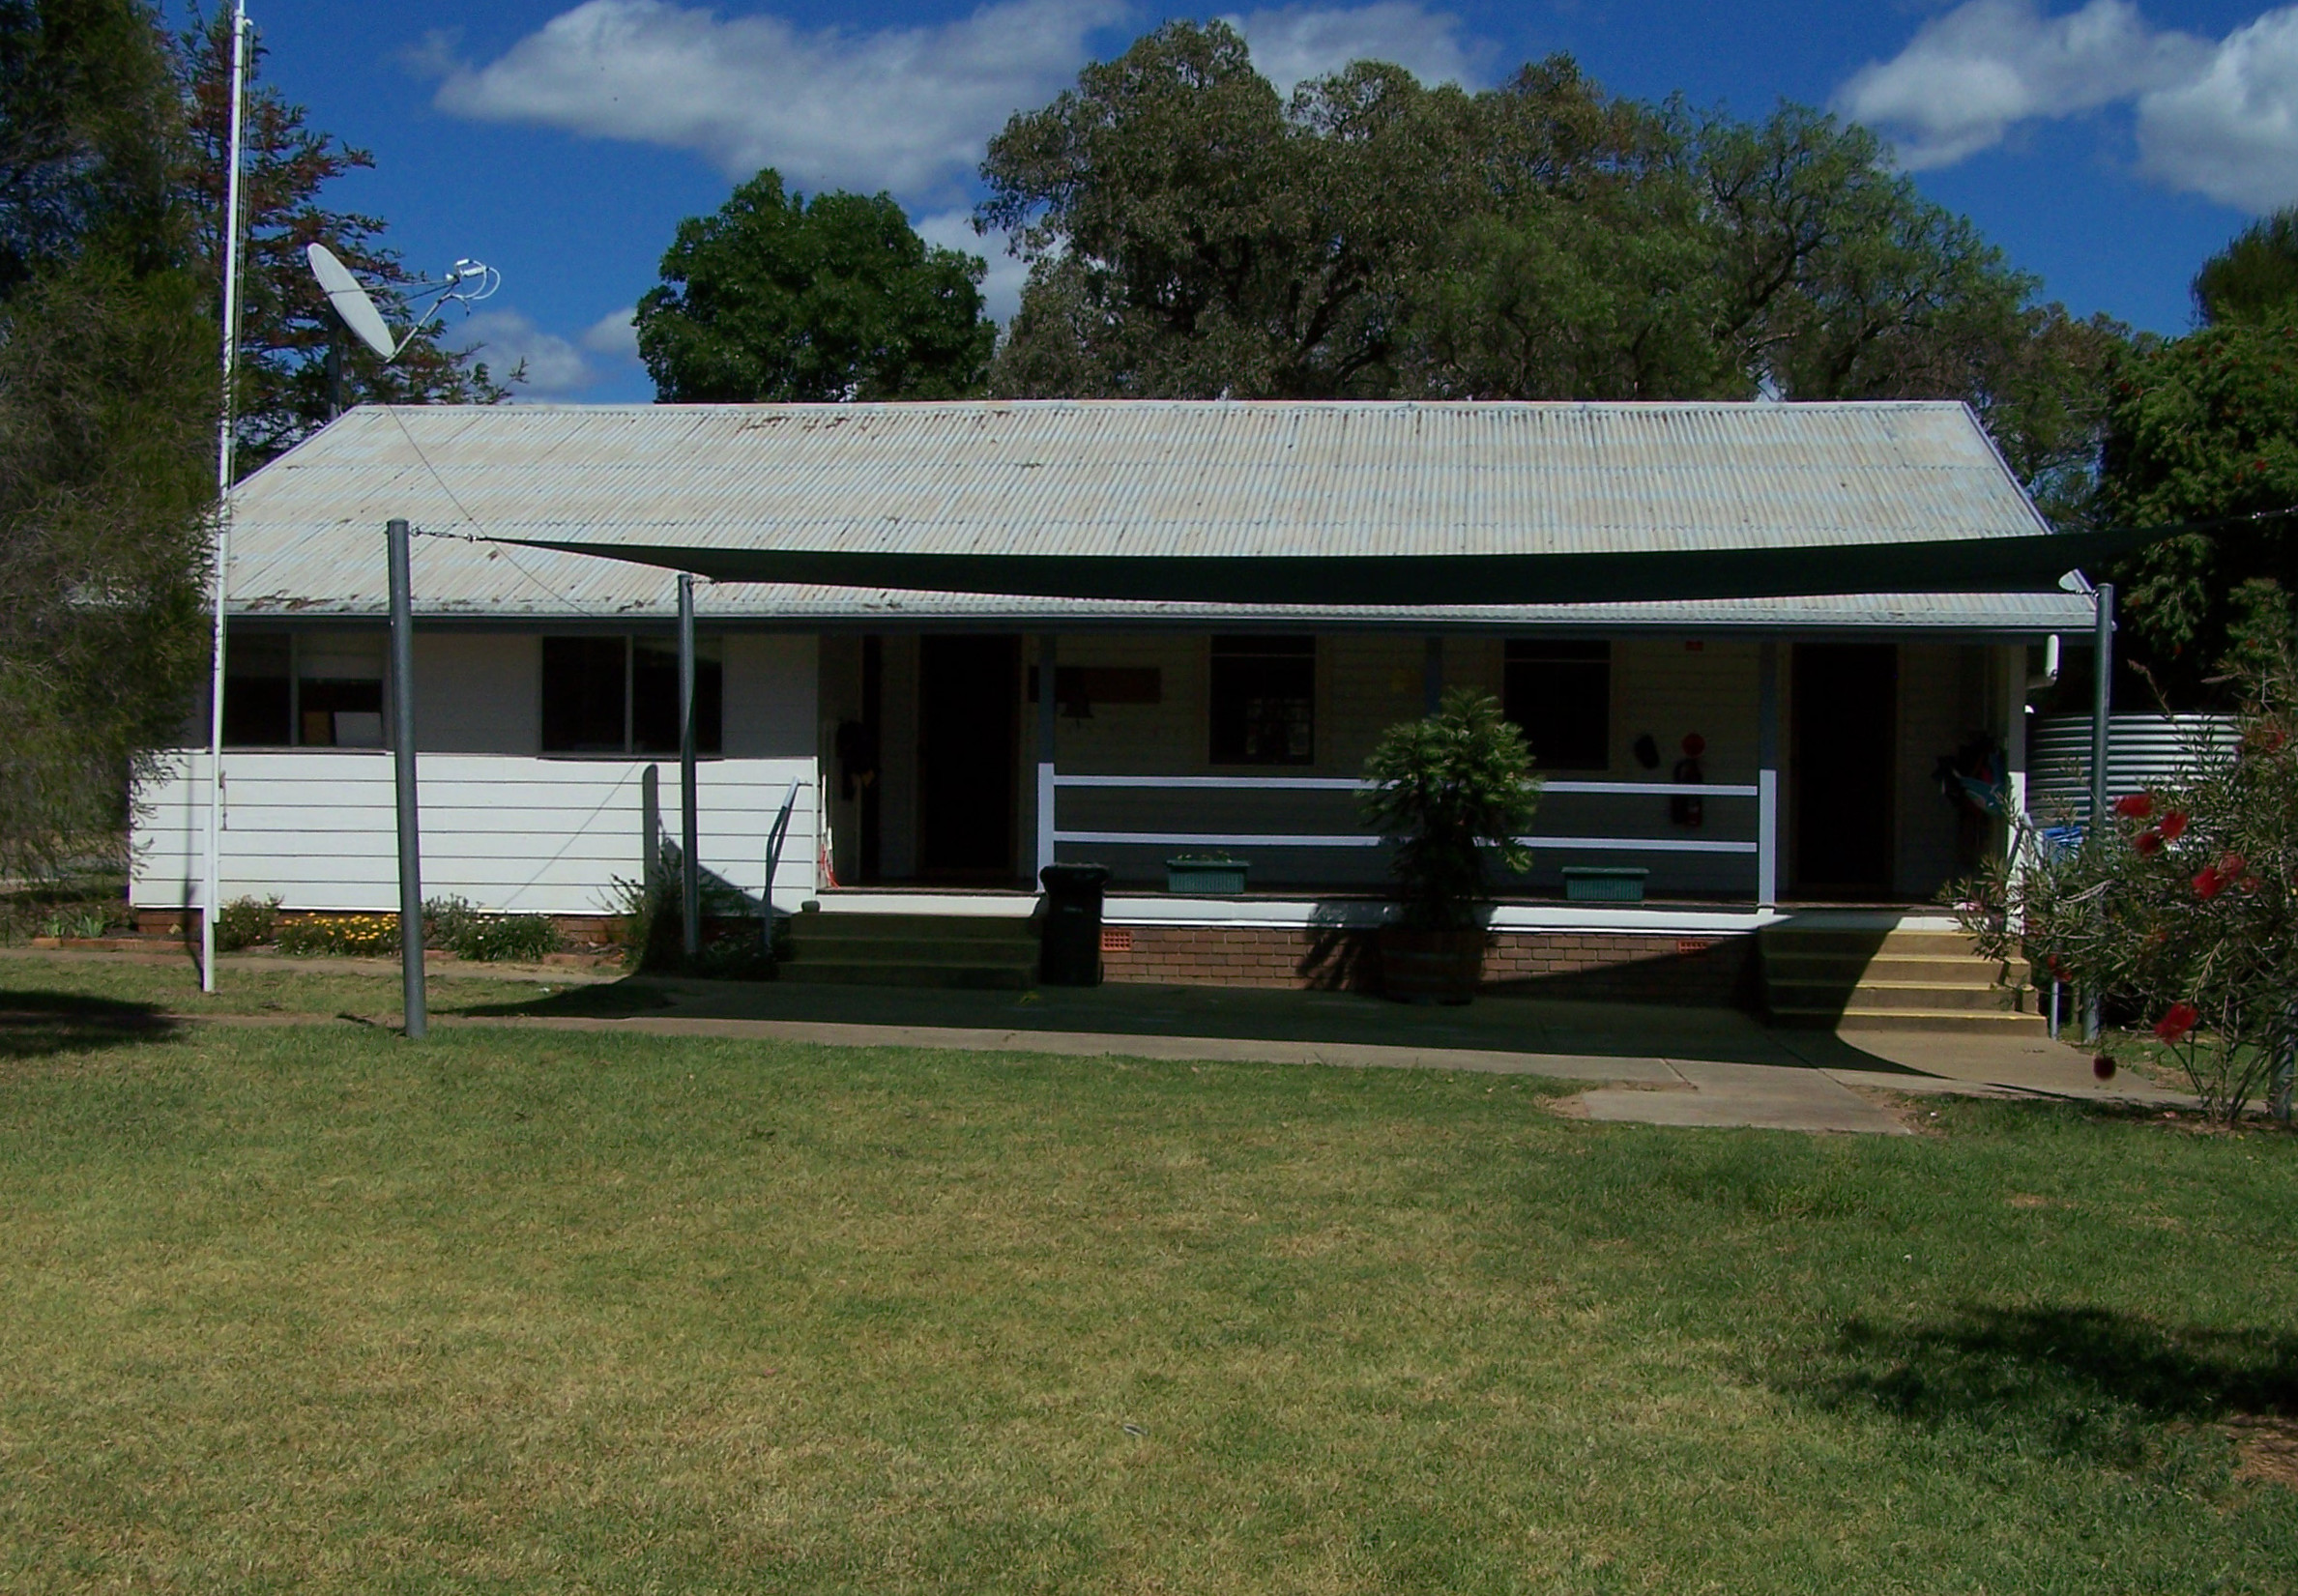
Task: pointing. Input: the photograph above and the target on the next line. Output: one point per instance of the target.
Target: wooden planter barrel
(1431, 966)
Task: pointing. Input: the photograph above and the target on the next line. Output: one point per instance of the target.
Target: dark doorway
(968, 690)
(1846, 720)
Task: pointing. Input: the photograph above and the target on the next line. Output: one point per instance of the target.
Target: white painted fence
(512, 834)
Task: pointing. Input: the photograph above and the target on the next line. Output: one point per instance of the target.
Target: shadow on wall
(1705, 972)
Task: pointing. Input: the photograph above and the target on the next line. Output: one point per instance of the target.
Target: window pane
(1263, 700)
(255, 695)
(582, 695)
(655, 696)
(1561, 694)
(338, 689)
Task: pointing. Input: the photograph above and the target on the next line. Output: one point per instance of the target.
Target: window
(620, 695)
(1263, 709)
(1561, 694)
(304, 691)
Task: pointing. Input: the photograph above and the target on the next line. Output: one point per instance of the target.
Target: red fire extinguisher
(1689, 808)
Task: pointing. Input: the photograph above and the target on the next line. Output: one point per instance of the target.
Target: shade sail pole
(2102, 704)
(402, 764)
(689, 810)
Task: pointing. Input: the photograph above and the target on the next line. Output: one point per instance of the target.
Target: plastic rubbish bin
(1069, 953)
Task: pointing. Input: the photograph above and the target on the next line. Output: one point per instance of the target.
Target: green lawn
(303, 1309)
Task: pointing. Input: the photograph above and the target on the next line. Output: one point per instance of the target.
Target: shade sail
(1999, 565)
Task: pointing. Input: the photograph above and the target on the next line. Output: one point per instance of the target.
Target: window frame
(1226, 647)
(710, 740)
(1598, 655)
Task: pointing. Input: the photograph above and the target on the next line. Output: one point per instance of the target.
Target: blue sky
(2107, 146)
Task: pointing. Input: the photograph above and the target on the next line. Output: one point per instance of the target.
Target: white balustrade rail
(1762, 848)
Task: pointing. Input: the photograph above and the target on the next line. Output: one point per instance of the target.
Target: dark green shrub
(245, 923)
(1453, 792)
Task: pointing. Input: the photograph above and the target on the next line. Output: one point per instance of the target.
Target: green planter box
(1205, 877)
(1604, 882)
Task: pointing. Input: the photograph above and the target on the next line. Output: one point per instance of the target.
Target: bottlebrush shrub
(2183, 905)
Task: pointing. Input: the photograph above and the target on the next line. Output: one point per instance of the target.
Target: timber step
(969, 951)
(1891, 981)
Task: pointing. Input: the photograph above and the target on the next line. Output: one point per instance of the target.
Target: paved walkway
(1651, 1064)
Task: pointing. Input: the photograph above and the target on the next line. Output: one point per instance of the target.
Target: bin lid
(1072, 877)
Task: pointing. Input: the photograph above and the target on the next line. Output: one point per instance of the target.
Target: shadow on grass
(1500, 1023)
(38, 1025)
(2078, 1380)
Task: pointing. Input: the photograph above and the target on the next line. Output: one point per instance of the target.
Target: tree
(776, 297)
(108, 409)
(2205, 429)
(2255, 278)
(1189, 234)
(283, 390)
(2182, 906)
(1453, 792)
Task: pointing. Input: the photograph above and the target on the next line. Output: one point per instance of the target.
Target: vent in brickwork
(1117, 938)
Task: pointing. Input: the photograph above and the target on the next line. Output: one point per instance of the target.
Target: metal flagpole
(211, 896)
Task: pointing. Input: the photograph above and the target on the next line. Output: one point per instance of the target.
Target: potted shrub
(1452, 792)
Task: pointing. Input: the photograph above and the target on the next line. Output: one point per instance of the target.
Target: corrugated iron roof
(1131, 478)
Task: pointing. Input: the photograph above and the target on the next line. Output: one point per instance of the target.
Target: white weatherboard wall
(317, 829)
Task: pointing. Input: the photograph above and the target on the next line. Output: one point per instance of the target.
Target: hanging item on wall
(1689, 808)
(1647, 749)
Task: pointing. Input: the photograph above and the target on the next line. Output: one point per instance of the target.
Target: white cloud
(554, 367)
(2231, 132)
(1971, 75)
(1001, 289)
(2217, 118)
(1299, 43)
(909, 109)
(615, 335)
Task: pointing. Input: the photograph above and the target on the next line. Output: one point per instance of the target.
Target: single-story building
(1755, 747)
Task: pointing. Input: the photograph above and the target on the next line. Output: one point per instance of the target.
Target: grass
(312, 1309)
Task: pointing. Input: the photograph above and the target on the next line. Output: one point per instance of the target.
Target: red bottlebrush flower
(2148, 842)
(2233, 866)
(2174, 826)
(2135, 807)
(2058, 970)
(2103, 1067)
(2177, 1021)
(2208, 882)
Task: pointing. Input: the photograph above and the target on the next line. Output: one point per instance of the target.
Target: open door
(969, 699)
(1846, 699)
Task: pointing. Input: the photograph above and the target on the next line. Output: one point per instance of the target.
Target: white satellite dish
(351, 301)
(358, 310)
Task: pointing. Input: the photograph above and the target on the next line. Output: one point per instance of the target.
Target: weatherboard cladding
(1132, 477)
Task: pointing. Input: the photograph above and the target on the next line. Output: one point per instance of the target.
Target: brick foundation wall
(1593, 965)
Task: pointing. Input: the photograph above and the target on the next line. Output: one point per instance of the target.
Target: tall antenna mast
(211, 899)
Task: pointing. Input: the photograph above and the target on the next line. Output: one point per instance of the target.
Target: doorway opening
(969, 704)
(1845, 725)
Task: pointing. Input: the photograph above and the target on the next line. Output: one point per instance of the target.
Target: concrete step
(1967, 1022)
(970, 976)
(1787, 939)
(1946, 969)
(805, 949)
(943, 929)
(1888, 995)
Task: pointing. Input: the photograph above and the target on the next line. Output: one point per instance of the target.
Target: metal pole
(2102, 699)
(1767, 776)
(212, 898)
(1048, 724)
(402, 761)
(689, 812)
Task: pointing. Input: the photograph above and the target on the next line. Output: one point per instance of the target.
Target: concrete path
(1648, 1063)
